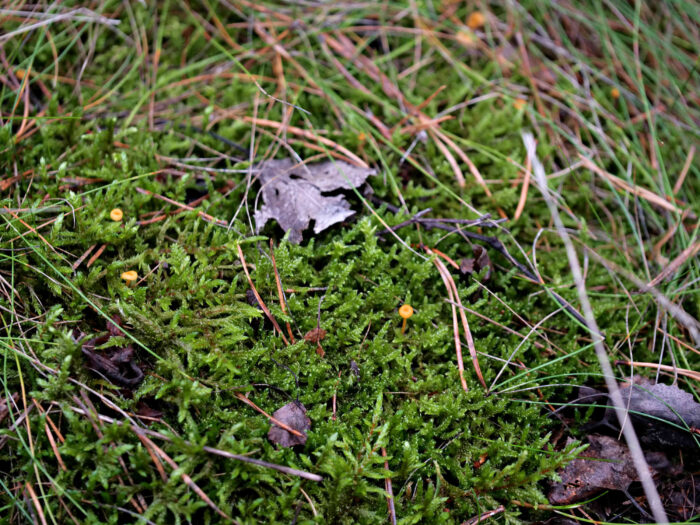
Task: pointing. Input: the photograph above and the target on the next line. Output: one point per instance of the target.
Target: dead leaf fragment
(293, 194)
(315, 335)
(477, 263)
(294, 416)
(117, 364)
(605, 464)
(146, 412)
(661, 414)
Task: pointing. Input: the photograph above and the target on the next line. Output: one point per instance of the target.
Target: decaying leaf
(118, 364)
(146, 412)
(660, 413)
(477, 263)
(293, 194)
(610, 467)
(294, 416)
(315, 335)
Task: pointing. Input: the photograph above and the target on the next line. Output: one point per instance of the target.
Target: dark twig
(484, 221)
(493, 242)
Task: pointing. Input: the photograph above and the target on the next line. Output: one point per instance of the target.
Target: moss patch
(144, 133)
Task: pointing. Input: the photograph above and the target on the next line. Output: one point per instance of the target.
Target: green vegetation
(132, 108)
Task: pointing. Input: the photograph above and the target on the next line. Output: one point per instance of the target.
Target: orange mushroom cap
(116, 214)
(130, 275)
(406, 311)
(476, 20)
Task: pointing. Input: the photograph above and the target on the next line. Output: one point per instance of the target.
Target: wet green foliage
(451, 454)
(201, 342)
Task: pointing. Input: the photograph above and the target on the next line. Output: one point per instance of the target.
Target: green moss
(451, 454)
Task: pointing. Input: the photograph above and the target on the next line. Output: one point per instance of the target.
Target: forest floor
(408, 317)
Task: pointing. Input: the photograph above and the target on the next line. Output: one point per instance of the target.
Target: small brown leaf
(315, 335)
(118, 364)
(147, 412)
(477, 263)
(294, 416)
(113, 326)
(605, 464)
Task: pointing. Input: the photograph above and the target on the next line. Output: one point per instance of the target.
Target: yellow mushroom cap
(476, 20)
(116, 214)
(130, 276)
(519, 103)
(615, 93)
(406, 311)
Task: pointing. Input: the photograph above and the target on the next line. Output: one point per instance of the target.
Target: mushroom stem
(405, 312)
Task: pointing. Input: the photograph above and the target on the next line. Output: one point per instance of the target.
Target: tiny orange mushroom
(130, 277)
(476, 20)
(116, 214)
(405, 312)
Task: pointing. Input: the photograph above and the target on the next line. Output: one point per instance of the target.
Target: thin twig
(484, 516)
(389, 491)
(455, 325)
(258, 298)
(628, 430)
(280, 291)
(268, 416)
(211, 450)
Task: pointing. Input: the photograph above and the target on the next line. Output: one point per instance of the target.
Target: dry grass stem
(635, 448)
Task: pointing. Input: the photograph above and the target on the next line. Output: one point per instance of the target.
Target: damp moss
(377, 397)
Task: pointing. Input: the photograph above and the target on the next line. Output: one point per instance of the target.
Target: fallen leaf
(294, 194)
(294, 416)
(120, 369)
(143, 410)
(605, 464)
(118, 364)
(660, 413)
(315, 335)
(477, 263)
(113, 326)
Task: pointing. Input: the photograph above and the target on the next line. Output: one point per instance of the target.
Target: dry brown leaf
(315, 335)
(477, 263)
(661, 414)
(294, 416)
(605, 464)
(295, 194)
